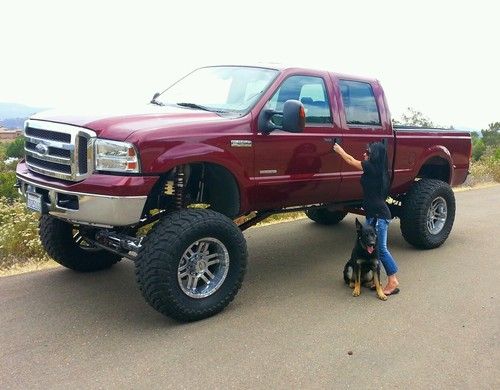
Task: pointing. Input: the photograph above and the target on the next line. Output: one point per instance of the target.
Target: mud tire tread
(414, 213)
(158, 259)
(56, 237)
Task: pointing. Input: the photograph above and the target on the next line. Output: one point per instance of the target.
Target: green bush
(15, 148)
(3, 151)
(19, 242)
(478, 148)
(7, 181)
(486, 142)
(7, 171)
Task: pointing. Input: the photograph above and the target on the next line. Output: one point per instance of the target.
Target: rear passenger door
(364, 120)
(299, 168)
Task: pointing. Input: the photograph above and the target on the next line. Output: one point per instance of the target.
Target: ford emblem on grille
(42, 149)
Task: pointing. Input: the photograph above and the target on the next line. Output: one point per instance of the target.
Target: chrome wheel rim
(436, 216)
(203, 268)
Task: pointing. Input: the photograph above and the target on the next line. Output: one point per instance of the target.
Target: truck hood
(119, 125)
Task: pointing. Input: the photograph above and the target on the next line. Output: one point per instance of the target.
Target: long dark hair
(378, 158)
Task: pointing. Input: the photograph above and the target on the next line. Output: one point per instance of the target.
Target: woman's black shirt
(373, 201)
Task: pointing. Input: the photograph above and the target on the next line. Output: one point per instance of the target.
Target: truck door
(299, 168)
(364, 120)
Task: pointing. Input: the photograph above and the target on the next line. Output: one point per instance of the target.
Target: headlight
(115, 156)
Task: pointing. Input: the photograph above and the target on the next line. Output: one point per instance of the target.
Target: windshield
(220, 89)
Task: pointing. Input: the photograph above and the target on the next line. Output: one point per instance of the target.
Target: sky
(439, 57)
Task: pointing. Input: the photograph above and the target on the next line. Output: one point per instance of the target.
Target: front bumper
(82, 207)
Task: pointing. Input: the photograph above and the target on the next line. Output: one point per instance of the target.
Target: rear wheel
(191, 264)
(326, 217)
(66, 245)
(428, 213)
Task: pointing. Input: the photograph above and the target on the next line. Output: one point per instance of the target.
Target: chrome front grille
(58, 150)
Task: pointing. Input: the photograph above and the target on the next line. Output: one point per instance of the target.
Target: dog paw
(356, 293)
(383, 297)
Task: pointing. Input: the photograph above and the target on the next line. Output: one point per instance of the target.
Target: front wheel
(67, 246)
(428, 213)
(191, 264)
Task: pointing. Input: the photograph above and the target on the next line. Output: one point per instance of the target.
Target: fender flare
(190, 153)
(436, 151)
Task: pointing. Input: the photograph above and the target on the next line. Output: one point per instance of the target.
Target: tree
(491, 135)
(412, 117)
(487, 144)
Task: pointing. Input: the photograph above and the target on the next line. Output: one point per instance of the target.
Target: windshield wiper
(200, 107)
(194, 105)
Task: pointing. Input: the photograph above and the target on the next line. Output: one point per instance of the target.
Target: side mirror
(293, 118)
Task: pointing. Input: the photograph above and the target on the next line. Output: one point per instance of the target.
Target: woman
(375, 183)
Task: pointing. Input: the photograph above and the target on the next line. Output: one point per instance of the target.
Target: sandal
(393, 292)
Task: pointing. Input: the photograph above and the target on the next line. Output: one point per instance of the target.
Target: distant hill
(16, 110)
(13, 123)
(13, 115)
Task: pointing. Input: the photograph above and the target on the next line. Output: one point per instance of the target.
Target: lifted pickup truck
(217, 152)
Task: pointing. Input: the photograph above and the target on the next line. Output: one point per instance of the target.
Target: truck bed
(417, 144)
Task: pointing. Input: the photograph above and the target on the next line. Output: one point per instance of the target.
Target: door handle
(334, 140)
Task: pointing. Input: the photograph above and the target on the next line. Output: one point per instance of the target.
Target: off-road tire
(57, 238)
(414, 214)
(158, 263)
(325, 216)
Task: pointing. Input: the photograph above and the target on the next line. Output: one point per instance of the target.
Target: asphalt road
(292, 324)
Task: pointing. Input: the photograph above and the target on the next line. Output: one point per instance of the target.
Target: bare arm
(347, 157)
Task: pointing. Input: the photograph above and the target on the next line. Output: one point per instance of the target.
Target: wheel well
(204, 183)
(435, 168)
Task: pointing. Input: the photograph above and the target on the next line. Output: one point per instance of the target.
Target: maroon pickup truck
(217, 152)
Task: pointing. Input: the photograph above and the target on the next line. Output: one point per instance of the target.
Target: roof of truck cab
(287, 67)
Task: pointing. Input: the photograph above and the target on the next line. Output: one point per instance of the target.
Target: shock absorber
(179, 187)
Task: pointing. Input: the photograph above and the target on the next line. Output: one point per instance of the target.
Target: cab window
(311, 91)
(359, 101)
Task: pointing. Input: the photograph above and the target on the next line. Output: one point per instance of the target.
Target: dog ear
(358, 226)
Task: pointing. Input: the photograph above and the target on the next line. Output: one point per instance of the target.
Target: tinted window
(311, 91)
(359, 103)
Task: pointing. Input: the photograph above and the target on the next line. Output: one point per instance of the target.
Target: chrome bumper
(87, 209)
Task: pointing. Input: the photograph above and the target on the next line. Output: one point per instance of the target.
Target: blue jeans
(384, 255)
